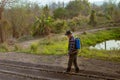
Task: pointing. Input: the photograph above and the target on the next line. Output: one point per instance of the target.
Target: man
(72, 52)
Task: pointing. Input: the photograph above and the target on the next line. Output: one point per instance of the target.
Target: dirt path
(29, 71)
(28, 43)
(61, 61)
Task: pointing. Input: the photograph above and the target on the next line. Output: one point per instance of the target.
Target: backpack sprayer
(78, 44)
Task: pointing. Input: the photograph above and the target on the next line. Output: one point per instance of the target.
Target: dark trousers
(72, 60)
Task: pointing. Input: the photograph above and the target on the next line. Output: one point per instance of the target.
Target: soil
(84, 63)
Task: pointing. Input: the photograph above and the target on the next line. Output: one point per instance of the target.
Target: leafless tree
(3, 4)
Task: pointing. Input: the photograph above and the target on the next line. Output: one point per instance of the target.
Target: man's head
(68, 34)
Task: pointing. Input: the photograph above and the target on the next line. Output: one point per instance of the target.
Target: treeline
(24, 18)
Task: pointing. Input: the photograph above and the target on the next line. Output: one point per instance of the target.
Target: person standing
(72, 52)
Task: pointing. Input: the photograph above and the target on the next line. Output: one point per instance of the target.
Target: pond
(107, 45)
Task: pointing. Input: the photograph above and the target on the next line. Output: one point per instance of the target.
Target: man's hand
(72, 52)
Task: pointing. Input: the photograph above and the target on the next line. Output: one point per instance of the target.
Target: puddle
(107, 45)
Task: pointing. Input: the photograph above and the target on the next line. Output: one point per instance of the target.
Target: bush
(59, 26)
(72, 25)
(17, 47)
(34, 48)
(4, 47)
(77, 22)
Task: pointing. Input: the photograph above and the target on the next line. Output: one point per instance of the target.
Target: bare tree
(3, 4)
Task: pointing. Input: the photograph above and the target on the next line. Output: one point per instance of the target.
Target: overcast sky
(43, 2)
(49, 1)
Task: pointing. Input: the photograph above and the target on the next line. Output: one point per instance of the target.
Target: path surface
(11, 70)
(15, 71)
(58, 63)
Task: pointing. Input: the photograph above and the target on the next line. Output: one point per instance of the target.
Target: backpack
(77, 43)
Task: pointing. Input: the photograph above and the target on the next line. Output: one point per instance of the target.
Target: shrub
(59, 26)
(17, 47)
(4, 47)
(34, 48)
(77, 22)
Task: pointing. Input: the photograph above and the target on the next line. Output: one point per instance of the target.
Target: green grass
(56, 46)
(112, 55)
(97, 37)
(4, 47)
(51, 47)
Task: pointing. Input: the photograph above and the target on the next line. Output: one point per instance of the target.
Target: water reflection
(107, 45)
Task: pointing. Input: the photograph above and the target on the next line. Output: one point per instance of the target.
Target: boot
(77, 70)
(68, 70)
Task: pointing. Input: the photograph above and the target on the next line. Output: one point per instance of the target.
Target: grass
(111, 55)
(97, 37)
(49, 47)
(4, 47)
(58, 46)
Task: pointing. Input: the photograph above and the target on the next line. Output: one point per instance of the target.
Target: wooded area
(20, 18)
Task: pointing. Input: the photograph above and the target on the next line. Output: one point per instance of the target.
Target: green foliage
(77, 22)
(108, 17)
(91, 39)
(34, 48)
(59, 26)
(101, 54)
(58, 46)
(42, 26)
(72, 24)
(49, 47)
(22, 15)
(4, 47)
(111, 10)
(60, 13)
(75, 7)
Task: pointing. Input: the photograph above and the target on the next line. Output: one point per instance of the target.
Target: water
(107, 45)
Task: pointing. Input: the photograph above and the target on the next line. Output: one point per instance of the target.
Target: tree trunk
(14, 32)
(1, 32)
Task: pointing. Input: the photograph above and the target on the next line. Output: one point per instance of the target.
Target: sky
(96, 0)
(44, 2)
(50, 1)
